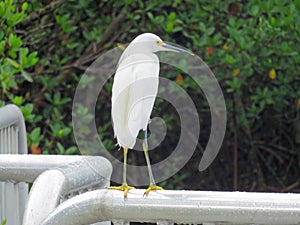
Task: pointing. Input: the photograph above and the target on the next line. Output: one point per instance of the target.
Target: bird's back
(133, 95)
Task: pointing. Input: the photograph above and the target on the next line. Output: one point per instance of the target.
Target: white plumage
(134, 90)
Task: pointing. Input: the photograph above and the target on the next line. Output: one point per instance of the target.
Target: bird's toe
(124, 187)
(152, 187)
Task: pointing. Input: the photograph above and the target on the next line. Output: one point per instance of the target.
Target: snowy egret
(133, 94)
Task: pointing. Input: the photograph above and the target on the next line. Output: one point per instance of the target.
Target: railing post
(12, 141)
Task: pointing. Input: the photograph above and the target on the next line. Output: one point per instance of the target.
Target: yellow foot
(152, 187)
(123, 187)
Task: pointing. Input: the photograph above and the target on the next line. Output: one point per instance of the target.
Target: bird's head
(149, 42)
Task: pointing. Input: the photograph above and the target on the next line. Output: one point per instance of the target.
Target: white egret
(133, 94)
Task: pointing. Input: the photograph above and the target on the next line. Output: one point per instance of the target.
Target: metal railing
(187, 207)
(56, 178)
(12, 141)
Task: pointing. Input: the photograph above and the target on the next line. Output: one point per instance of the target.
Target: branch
(107, 37)
(47, 9)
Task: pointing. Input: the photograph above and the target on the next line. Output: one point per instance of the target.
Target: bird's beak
(174, 48)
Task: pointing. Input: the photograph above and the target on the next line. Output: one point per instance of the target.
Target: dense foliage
(251, 46)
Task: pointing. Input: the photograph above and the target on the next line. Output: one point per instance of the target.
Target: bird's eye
(159, 43)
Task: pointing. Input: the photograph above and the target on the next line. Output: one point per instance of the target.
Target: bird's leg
(124, 187)
(152, 185)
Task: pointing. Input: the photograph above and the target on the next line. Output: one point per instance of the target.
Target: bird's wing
(133, 95)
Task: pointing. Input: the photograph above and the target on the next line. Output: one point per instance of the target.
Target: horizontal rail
(179, 207)
(26, 168)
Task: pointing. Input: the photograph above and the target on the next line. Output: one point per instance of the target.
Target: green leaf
(71, 151)
(209, 31)
(32, 59)
(63, 132)
(2, 46)
(230, 59)
(24, 6)
(4, 222)
(2, 9)
(55, 128)
(48, 97)
(60, 149)
(14, 41)
(2, 34)
(18, 100)
(16, 18)
(27, 76)
(172, 16)
(13, 63)
(23, 56)
(170, 22)
(27, 110)
(254, 10)
(35, 133)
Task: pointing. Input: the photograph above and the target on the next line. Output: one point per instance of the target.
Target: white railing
(12, 141)
(57, 177)
(181, 207)
(54, 177)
